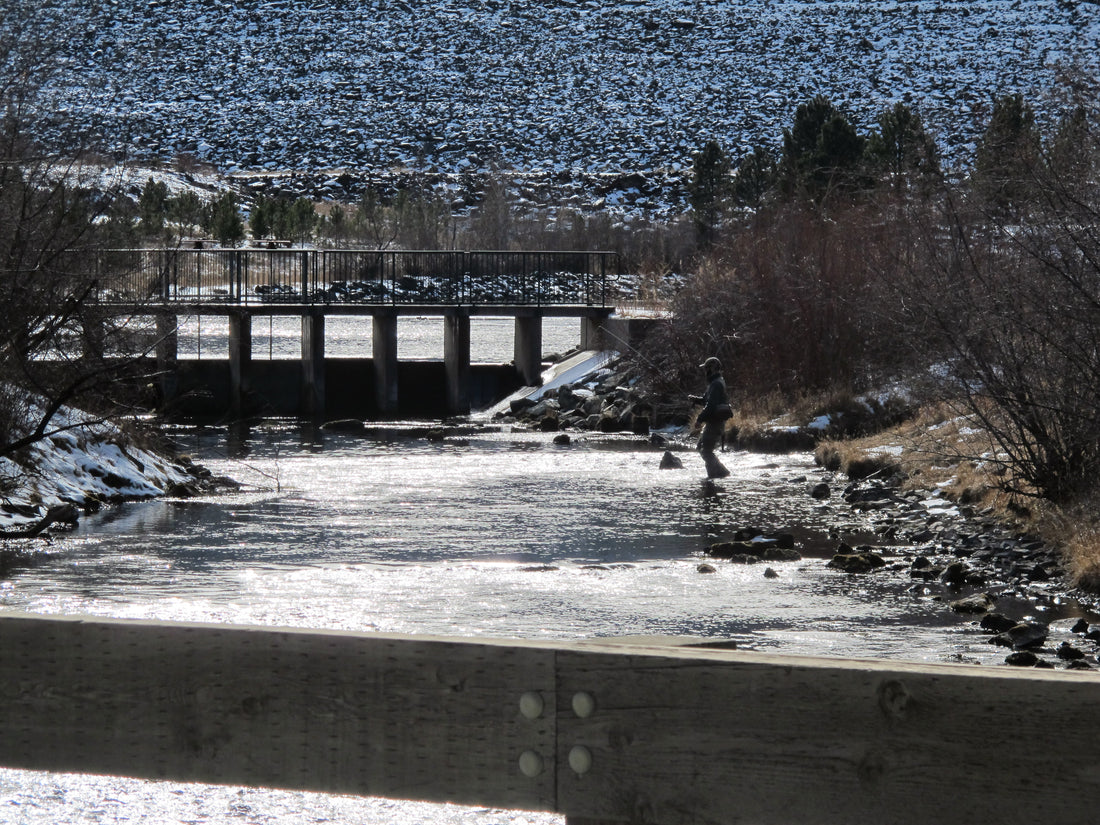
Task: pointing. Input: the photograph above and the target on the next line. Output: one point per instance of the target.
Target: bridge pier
(167, 353)
(384, 356)
(313, 364)
(528, 347)
(456, 358)
(240, 363)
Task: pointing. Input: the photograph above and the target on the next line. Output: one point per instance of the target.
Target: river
(487, 533)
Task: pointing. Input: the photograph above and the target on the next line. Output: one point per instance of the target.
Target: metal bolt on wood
(583, 704)
(530, 764)
(531, 705)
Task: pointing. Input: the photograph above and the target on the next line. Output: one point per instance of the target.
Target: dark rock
(563, 439)
(744, 558)
(549, 424)
(821, 491)
(781, 554)
(671, 462)
(856, 562)
(706, 568)
(979, 603)
(1022, 658)
(1078, 664)
(1080, 627)
(955, 574)
(770, 574)
(518, 405)
(658, 440)
(1069, 652)
(183, 489)
(1023, 635)
(729, 549)
(997, 622)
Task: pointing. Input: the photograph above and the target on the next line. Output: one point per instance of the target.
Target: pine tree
(709, 189)
(903, 150)
(1006, 156)
(822, 152)
(224, 221)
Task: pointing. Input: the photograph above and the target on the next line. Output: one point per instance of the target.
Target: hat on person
(712, 364)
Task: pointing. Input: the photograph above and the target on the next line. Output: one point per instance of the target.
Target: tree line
(840, 261)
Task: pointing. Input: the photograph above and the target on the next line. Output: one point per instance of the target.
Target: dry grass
(936, 449)
(941, 450)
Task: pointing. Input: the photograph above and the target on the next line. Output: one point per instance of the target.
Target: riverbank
(949, 548)
(932, 522)
(85, 465)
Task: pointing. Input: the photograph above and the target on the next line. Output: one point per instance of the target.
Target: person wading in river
(714, 415)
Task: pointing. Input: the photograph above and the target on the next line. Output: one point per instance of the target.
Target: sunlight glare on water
(484, 534)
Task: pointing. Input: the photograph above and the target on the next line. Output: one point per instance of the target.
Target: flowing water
(487, 533)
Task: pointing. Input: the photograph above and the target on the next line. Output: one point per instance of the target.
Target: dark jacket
(716, 405)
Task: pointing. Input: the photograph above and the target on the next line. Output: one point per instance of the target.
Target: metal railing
(312, 276)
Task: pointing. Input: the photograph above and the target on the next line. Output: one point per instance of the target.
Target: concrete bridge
(243, 284)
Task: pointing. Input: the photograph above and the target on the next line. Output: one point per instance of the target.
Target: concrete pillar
(167, 350)
(456, 359)
(528, 348)
(591, 333)
(240, 362)
(313, 366)
(385, 362)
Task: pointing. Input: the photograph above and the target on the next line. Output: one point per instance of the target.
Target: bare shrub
(792, 302)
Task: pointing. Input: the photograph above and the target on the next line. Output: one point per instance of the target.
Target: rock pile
(606, 400)
(970, 562)
(463, 85)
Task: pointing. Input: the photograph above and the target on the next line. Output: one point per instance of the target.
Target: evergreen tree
(185, 209)
(903, 150)
(224, 220)
(259, 220)
(1006, 156)
(1071, 154)
(822, 152)
(755, 178)
(709, 189)
(301, 219)
(152, 207)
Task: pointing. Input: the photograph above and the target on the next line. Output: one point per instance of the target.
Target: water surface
(500, 534)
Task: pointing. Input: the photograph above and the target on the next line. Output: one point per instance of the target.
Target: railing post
(305, 274)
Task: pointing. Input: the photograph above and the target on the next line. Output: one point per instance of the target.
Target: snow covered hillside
(553, 87)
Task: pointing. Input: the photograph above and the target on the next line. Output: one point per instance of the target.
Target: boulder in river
(978, 603)
(671, 462)
(856, 562)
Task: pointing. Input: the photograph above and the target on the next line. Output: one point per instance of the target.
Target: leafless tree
(56, 347)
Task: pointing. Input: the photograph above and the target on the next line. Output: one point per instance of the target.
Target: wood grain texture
(684, 736)
(404, 717)
(640, 731)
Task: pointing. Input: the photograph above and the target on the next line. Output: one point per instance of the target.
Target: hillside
(564, 88)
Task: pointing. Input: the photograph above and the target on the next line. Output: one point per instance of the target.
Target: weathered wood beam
(601, 731)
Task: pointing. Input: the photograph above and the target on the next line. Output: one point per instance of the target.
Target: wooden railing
(601, 730)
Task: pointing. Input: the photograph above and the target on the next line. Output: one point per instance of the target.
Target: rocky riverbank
(1000, 581)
